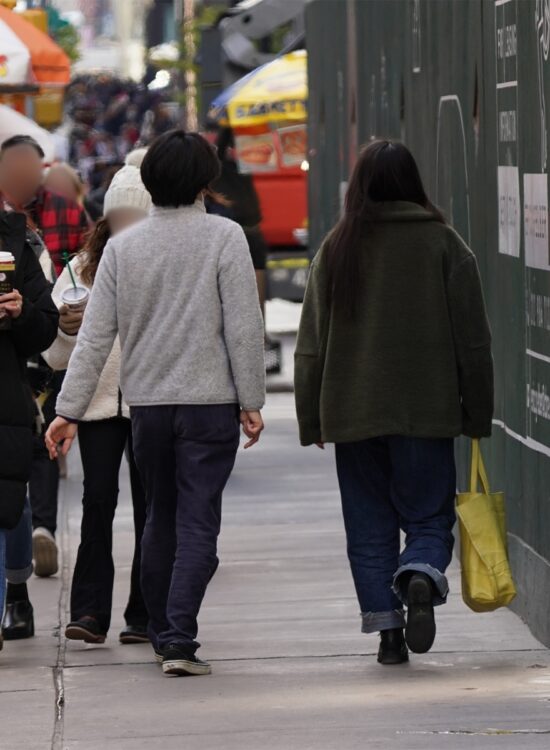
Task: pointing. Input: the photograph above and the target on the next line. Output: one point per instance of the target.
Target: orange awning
(50, 65)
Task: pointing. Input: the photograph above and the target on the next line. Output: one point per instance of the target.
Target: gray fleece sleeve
(242, 319)
(94, 343)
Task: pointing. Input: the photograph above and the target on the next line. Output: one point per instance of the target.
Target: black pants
(185, 455)
(43, 487)
(102, 445)
(44, 479)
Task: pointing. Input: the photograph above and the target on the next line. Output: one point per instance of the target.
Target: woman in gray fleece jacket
(179, 290)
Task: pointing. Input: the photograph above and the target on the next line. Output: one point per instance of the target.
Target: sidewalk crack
(58, 670)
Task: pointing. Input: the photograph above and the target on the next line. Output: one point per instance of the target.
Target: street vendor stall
(30, 62)
(267, 110)
(13, 123)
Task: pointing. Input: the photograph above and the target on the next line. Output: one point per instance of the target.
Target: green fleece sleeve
(310, 354)
(472, 338)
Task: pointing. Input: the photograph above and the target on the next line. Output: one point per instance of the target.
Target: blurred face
(122, 218)
(20, 174)
(60, 182)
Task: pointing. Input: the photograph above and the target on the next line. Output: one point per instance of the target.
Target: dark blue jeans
(19, 548)
(390, 484)
(185, 455)
(16, 553)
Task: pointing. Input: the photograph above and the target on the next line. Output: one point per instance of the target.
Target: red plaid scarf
(61, 222)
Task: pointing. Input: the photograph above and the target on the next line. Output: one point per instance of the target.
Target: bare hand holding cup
(70, 320)
(11, 304)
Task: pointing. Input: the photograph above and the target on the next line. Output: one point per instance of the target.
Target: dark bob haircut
(177, 166)
(21, 140)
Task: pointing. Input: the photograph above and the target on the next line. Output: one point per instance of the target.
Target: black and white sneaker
(178, 661)
(159, 655)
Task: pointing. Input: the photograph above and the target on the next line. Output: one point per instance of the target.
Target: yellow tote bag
(486, 577)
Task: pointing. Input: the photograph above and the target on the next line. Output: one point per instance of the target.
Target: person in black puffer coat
(33, 329)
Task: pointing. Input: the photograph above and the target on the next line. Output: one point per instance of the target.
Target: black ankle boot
(393, 649)
(420, 630)
(18, 621)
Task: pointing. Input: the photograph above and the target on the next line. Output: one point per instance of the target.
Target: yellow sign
(38, 18)
(276, 92)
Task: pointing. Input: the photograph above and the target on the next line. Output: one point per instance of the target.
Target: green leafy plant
(68, 39)
(64, 34)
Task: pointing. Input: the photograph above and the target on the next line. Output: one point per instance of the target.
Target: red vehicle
(276, 158)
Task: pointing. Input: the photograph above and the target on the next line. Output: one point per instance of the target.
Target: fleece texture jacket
(107, 401)
(416, 358)
(180, 290)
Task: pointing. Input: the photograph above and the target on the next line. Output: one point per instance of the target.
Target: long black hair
(385, 171)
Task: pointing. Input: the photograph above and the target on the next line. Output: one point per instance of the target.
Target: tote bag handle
(478, 470)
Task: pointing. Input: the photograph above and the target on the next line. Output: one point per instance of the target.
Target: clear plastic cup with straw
(74, 296)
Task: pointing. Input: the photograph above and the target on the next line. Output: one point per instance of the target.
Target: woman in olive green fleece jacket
(393, 361)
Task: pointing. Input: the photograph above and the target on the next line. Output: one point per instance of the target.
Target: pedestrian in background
(236, 197)
(57, 225)
(180, 290)
(18, 619)
(240, 192)
(104, 434)
(63, 180)
(61, 222)
(393, 361)
(32, 324)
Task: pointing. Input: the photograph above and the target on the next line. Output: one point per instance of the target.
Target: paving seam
(303, 658)
(58, 676)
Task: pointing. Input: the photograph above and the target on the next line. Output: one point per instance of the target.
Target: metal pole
(190, 77)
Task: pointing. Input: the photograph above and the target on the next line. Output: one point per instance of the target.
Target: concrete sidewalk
(282, 320)
(281, 627)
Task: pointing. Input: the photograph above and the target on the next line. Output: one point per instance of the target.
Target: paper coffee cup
(7, 276)
(7, 272)
(75, 297)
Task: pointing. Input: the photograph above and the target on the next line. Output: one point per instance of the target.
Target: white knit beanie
(127, 191)
(135, 157)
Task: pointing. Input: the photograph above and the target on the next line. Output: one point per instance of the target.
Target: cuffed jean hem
(374, 622)
(439, 580)
(20, 575)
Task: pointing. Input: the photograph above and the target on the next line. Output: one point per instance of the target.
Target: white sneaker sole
(44, 552)
(183, 667)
